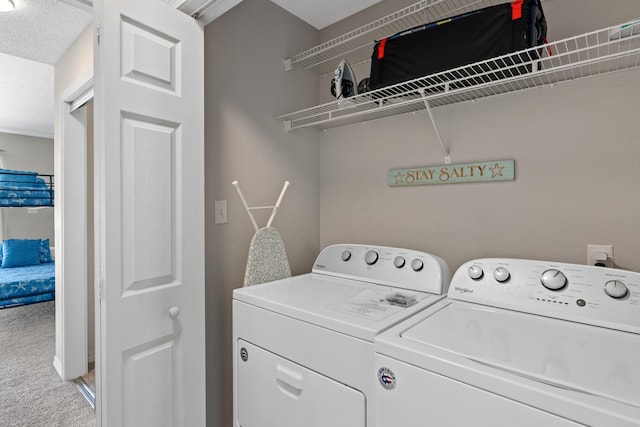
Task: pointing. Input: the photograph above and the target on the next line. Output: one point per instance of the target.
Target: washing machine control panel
(593, 295)
(402, 268)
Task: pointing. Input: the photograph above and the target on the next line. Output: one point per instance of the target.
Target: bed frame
(25, 189)
(35, 283)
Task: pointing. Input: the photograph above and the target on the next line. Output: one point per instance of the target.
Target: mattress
(25, 285)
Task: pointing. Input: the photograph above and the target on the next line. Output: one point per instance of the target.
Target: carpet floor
(31, 392)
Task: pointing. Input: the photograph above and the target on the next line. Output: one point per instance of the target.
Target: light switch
(220, 207)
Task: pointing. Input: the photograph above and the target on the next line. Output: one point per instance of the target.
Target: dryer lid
(352, 307)
(569, 355)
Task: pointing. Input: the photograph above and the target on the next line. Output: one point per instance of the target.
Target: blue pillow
(20, 252)
(45, 252)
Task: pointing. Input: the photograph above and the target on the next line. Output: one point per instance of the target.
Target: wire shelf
(358, 44)
(604, 51)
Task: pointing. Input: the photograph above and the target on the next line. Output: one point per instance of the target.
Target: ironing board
(267, 259)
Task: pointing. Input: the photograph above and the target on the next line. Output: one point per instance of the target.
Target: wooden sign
(500, 170)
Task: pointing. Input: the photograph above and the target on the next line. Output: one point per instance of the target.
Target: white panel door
(149, 107)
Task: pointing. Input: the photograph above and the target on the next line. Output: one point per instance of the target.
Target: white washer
(517, 343)
(303, 346)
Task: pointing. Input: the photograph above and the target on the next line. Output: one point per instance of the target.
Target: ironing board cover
(267, 260)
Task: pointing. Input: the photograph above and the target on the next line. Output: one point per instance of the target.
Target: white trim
(57, 364)
(175, 3)
(27, 133)
(71, 359)
(86, 5)
(78, 88)
(83, 98)
(215, 10)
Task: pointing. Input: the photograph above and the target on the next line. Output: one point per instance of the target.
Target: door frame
(71, 306)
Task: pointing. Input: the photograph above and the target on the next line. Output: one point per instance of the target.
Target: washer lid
(359, 309)
(573, 356)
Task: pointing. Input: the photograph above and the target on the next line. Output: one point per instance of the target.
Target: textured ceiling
(38, 33)
(26, 104)
(32, 39)
(41, 30)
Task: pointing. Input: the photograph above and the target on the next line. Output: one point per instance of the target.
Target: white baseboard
(57, 365)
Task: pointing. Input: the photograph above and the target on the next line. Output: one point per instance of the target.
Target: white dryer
(303, 346)
(517, 343)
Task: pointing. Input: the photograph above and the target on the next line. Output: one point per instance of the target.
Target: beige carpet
(31, 392)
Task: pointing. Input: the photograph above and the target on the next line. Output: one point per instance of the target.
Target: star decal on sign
(399, 177)
(496, 170)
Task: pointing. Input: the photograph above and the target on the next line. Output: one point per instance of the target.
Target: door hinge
(98, 32)
(100, 286)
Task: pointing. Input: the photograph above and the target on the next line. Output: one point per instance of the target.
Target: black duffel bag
(457, 41)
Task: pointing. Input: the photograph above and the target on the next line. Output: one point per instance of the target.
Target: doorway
(86, 383)
(75, 272)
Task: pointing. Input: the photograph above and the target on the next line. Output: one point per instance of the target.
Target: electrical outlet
(220, 208)
(600, 255)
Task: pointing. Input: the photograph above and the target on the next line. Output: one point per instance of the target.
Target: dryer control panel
(592, 295)
(401, 268)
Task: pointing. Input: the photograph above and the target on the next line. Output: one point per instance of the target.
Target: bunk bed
(27, 269)
(25, 189)
(27, 272)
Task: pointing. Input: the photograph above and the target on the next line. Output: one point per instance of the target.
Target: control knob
(399, 262)
(346, 255)
(553, 279)
(371, 257)
(616, 289)
(475, 272)
(501, 274)
(417, 264)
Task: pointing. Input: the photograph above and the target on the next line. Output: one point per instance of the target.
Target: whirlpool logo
(387, 378)
(321, 266)
(463, 290)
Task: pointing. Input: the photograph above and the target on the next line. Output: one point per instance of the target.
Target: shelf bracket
(445, 149)
(288, 64)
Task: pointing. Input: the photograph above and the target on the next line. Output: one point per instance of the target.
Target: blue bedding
(26, 285)
(25, 189)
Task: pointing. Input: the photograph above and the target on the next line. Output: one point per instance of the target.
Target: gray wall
(246, 86)
(35, 154)
(576, 153)
(575, 147)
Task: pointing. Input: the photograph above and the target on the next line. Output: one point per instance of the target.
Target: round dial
(475, 272)
(616, 289)
(371, 257)
(346, 255)
(399, 262)
(501, 274)
(553, 279)
(417, 264)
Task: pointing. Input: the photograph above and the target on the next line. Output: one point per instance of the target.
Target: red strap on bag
(549, 51)
(381, 46)
(516, 9)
